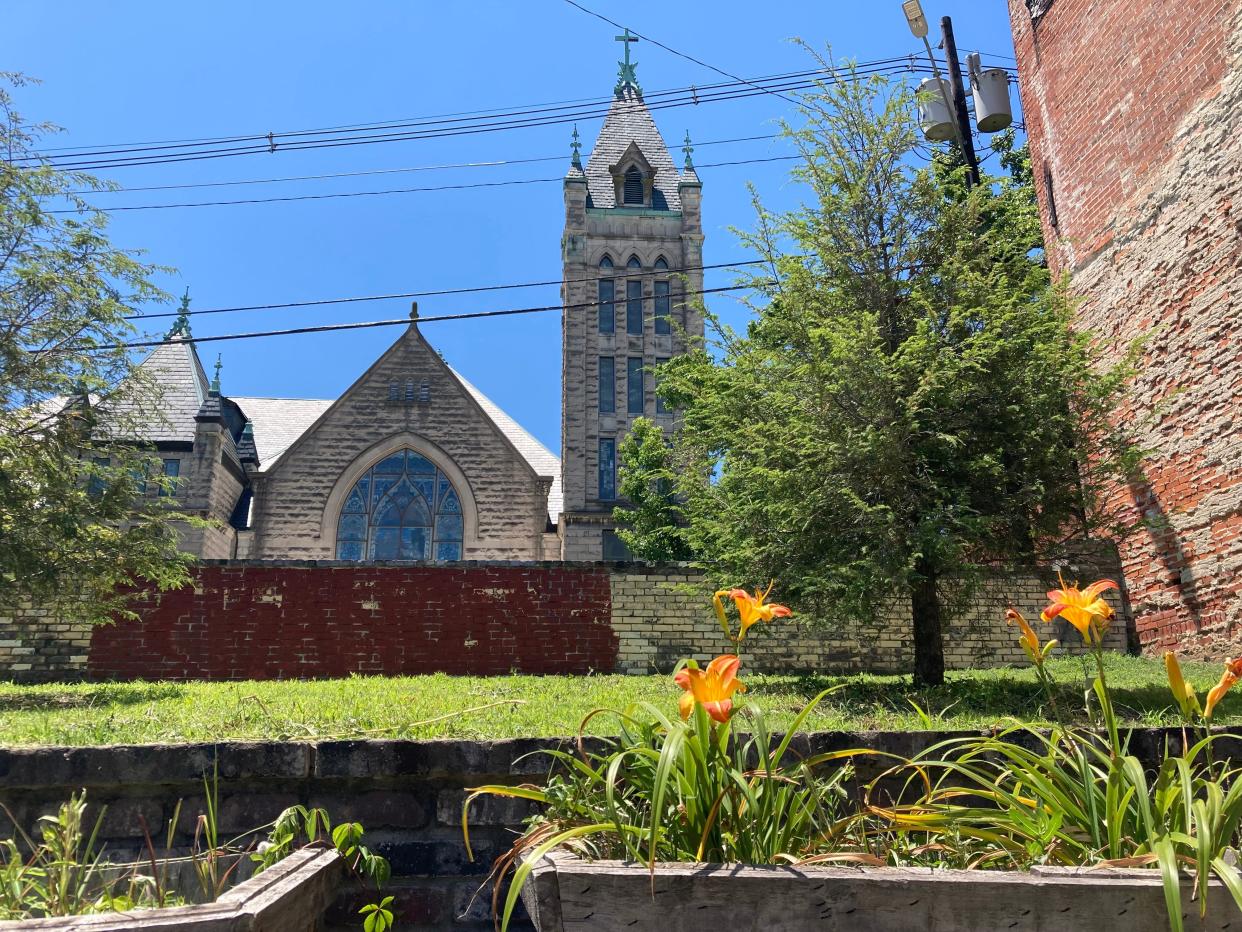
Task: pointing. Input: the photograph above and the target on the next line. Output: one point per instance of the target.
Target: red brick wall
(1135, 109)
(284, 621)
(1105, 87)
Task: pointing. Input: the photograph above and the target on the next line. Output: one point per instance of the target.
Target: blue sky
(143, 71)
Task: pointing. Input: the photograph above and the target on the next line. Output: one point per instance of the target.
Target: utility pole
(959, 102)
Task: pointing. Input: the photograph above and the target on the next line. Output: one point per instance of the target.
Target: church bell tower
(632, 253)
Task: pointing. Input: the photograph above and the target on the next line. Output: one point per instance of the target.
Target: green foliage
(63, 872)
(379, 918)
(909, 403)
(74, 522)
(1075, 797)
(648, 524)
(300, 826)
(672, 790)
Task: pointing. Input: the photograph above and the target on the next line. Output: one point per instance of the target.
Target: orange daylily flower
(712, 688)
(1084, 609)
(1029, 639)
(1183, 692)
(1233, 672)
(751, 609)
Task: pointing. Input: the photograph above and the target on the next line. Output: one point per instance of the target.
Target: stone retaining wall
(407, 794)
(263, 620)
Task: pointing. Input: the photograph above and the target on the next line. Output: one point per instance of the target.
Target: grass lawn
(504, 706)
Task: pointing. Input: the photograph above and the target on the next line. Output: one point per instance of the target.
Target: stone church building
(413, 462)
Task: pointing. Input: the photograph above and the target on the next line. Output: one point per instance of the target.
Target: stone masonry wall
(1134, 112)
(244, 620)
(664, 616)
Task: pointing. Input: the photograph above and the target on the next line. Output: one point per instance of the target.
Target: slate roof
(278, 422)
(175, 367)
(628, 120)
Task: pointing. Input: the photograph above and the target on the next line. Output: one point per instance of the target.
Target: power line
(327, 328)
(493, 163)
(441, 292)
(522, 120)
(349, 194)
(674, 51)
(265, 142)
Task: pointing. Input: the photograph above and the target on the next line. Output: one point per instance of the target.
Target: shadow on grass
(974, 698)
(15, 699)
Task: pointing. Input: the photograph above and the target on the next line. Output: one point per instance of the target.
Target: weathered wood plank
(606, 896)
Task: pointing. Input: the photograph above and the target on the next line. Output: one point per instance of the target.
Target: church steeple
(631, 249)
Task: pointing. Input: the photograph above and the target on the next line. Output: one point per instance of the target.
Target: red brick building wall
(1134, 112)
(284, 621)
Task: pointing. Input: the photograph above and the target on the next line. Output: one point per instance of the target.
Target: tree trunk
(928, 635)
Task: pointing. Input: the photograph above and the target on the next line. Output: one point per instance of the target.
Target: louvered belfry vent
(633, 192)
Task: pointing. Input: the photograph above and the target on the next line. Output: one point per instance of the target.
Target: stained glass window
(403, 508)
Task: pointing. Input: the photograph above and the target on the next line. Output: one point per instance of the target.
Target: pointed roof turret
(629, 124)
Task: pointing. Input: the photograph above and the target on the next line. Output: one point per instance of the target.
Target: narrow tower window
(633, 193)
(607, 385)
(662, 324)
(633, 306)
(607, 469)
(634, 385)
(607, 307)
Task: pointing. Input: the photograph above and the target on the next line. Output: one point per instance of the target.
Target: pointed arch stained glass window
(403, 508)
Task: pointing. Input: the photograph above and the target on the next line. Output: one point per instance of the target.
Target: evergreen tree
(76, 528)
(648, 523)
(909, 403)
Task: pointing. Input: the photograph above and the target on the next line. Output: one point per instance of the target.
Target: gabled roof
(278, 422)
(629, 121)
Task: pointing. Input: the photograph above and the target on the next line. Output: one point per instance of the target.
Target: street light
(914, 16)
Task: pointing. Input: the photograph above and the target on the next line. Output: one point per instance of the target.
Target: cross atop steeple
(626, 76)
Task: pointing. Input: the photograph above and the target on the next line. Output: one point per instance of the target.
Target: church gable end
(409, 400)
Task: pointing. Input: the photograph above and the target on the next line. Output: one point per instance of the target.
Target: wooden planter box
(291, 896)
(564, 892)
